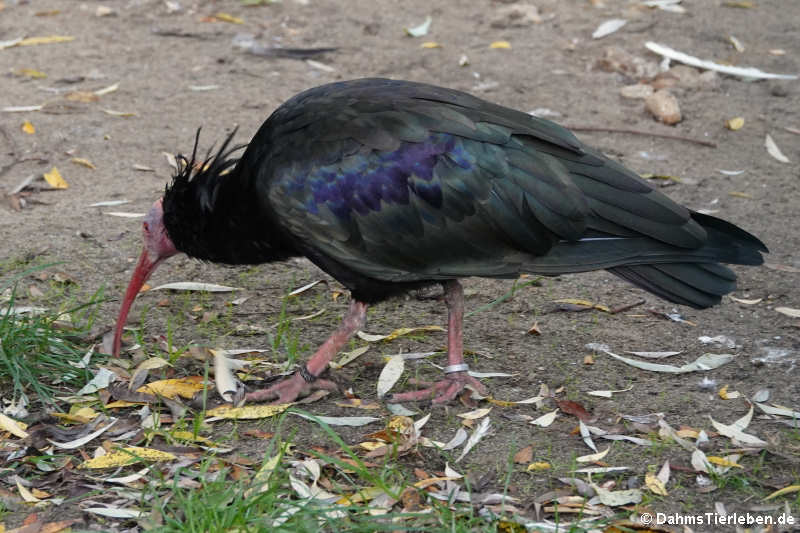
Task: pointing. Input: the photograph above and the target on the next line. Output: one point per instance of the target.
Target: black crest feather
(192, 199)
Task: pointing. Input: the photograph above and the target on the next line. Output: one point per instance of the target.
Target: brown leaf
(412, 501)
(524, 456)
(574, 408)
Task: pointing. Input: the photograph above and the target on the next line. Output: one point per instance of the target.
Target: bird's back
(388, 183)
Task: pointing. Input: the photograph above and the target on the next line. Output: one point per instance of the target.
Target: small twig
(639, 132)
(622, 308)
(792, 130)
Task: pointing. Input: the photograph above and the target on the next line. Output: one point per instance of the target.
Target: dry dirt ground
(179, 69)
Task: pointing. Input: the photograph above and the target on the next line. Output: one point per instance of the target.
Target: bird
(390, 186)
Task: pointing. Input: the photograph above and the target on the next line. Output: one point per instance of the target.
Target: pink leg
(454, 382)
(289, 389)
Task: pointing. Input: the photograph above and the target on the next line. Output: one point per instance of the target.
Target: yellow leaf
(371, 445)
(784, 490)
(190, 436)
(400, 423)
(721, 461)
(261, 478)
(688, 433)
(170, 388)
(46, 40)
(537, 466)
(82, 96)
(30, 73)
(12, 426)
(74, 419)
(425, 483)
(26, 494)
(504, 45)
(28, 128)
(84, 162)
(55, 180)
(127, 456)
(225, 17)
(248, 411)
(734, 124)
(501, 403)
(725, 395)
(430, 44)
(363, 495)
(122, 403)
(583, 303)
(655, 485)
(40, 493)
(396, 333)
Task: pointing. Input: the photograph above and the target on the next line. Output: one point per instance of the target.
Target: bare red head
(157, 246)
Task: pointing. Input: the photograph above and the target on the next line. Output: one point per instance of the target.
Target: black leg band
(307, 376)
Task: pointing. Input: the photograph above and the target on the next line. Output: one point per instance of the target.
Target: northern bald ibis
(392, 185)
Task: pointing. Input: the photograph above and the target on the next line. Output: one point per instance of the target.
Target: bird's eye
(146, 227)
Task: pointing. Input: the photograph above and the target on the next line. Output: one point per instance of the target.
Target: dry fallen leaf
(171, 388)
(369, 337)
(348, 357)
(537, 466)
(591, 458)
(354, 421)
(744, 72)
(248, 412)
(785, 490)
(226, 17)
(545, 420)
(655, 485)
(735, 123)
(126, 456)
(525, 455)
(53, 177)
(12, 426)
(476, 414)
(84, 162)
(194, 286)
(30, 73)
(476, 436)
(608, 27)
(390, 374)
(420, 30)
(788, 311)
(746, 301)
(46, 40)
(774, 151)
(725, 395)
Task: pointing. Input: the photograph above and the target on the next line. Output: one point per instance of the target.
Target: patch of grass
(214, 503)
(37, 346)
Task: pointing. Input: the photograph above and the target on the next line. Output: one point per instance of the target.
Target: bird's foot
(442, 391)
(290, 389)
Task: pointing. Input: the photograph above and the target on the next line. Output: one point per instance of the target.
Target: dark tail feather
(697, 285)
(700, 284)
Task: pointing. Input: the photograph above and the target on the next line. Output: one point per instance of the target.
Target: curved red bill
(144, 268)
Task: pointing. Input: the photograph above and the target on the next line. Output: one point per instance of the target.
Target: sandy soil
(161, 59)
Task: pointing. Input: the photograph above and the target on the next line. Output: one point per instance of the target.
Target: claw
(290, 389)
(442, 391)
